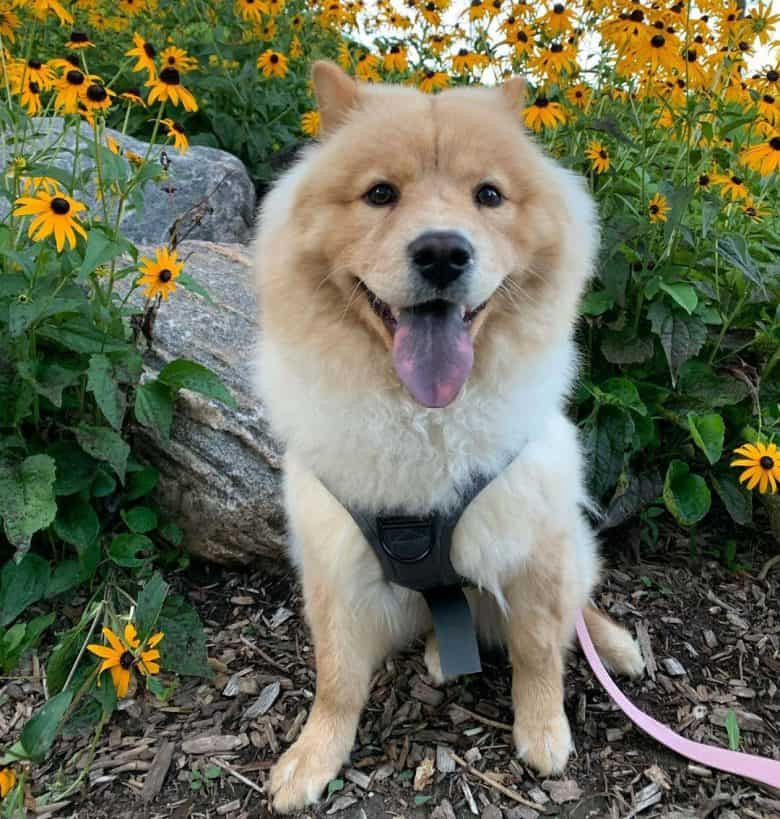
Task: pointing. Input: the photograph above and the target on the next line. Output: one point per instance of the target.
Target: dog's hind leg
(616, 647)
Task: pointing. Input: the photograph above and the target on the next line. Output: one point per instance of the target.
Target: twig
(510, 792)
(240, 777)
(84, 645)
(484, 720)
(47, 810)
(768, 566)
(269, 660)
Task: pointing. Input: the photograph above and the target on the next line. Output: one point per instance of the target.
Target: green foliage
(732, 730)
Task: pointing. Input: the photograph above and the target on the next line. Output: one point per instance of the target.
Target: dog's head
(433, 221)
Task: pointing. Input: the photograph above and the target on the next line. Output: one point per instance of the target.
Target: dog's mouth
(432, 345)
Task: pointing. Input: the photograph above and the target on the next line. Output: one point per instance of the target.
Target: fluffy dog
(419, 270)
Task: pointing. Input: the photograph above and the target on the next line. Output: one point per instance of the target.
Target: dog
(419, 270)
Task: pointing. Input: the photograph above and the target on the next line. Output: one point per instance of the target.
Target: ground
(711, 636)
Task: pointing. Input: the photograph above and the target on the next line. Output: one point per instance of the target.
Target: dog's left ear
(513, 92)
(336, 93)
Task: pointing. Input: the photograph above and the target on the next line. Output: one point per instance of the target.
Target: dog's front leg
(538, 632)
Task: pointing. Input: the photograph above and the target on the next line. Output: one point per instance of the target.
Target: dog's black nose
(441, 256)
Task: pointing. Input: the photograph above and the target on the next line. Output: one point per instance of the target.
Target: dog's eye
(488, 196)
(382, 194)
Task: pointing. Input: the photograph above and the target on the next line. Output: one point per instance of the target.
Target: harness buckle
(407, 539)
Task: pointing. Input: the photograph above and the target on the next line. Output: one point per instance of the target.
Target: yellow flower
(477, 10)
(71, 90)
(133, 95)
(753, 211)
(273, 63)
(180, 141)
(769, 108)
(296, 49)
(55, 214)
(97, 98)
(764, 158)
(732, 186)
(251, 10)
(433, 81)
(175, 57)
(544, 114)
(8, 23)
(31, 98)
(159, 275)
(366, 68)
(763, 466)
(430, 13)
(552, 61)
(558, 20)
(113, 145)
(132, 7)
(168, 87)
(40, 8)
(7, 781)
(121, 656)
(658, 48)
(465, 61)
(36, 71)
(395, 59)
(522, 41)
(579, 96)
(79, 40)
(598, 156)
(657, 208)
(344, 58)
(310, 123)
(145, 53)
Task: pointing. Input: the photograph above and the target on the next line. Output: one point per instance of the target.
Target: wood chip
(521, 812)
(443, 810)
(644, 799)
(425, 693)
(646, 645)
(673, 667)
(510, 792)
(282, 615)
(444, 761)
(424, 774)
(358, 778)
(491, 812)
(263, 704)
(214, 744)
(746, 720)
(539, 796)
(229, 807)
(710, 639)
(464, 786)
(566, 790)
(340, 803)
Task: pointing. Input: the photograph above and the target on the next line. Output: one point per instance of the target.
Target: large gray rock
(205, 193)
(220, 472)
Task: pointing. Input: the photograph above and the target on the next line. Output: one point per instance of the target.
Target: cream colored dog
(419, 271)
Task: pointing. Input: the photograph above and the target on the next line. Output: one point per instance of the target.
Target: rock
(206, 193)
(220, 473)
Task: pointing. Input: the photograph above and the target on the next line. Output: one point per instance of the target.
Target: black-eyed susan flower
(272, 63)
(267, 31)
(657, 208)
(296, 48)
(432, 81)
(658, 49)
(70, 90)
(430, 13)
(41, 8)
(296, 22)
(552, 61)
(465, 61)
(275, 7)
(522, 41)
(765, 157)
(439, 42)
(252, 10)
(55, 214)
(167, 87)
(753, 211)
(7, 781)
(542, 113)
(395, 59)
(598, 156)
(366, 67)
(731, 186)
(133, 95)
(79, 40)
(9, 22)
(763, 20)
(121, 656)
(144, 52)
(175, 57)
(579, 96)
(176, 132)
(113, 145)
(36, 71)
(97, 98)
(30, 98)
(310, 123)
(769, 108)
(344, 57)
(159, 275)
(476, 10)
(558, 19)
(132, 7)
(762, 466)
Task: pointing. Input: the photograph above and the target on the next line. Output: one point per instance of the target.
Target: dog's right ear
(336, 94)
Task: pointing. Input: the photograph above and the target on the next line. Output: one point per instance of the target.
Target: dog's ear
(336, 93)
(513, 92)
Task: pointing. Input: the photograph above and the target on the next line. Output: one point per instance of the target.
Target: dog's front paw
(433, 661)
(300, 776)
(544, 744)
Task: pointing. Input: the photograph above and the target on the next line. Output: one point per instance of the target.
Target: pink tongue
(432, 352)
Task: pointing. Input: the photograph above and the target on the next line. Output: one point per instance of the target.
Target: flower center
(75, 77)
(769, 99)
(522, 36)
(395, 49)
(170, 76)
(559, 8)
(654, 209)
(34, 87)
(772, 75)
(774, 143)
(79, 37)
(127, 660)
(164, 275)
(59, 205)
(750, 211)
(603, 154)
(96, 93)
(704, 180)
(274, 58)
(737, 180)
(34, 64)
(658, 41)
(556, 48)
(637, 15)
(541, 102)
(767, 463)
(150, 50)
(692, 56)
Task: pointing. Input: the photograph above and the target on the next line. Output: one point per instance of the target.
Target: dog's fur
(334, 399)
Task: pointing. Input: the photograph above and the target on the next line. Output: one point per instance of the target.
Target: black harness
(414, 552)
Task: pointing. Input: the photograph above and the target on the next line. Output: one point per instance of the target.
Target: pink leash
(759, 769)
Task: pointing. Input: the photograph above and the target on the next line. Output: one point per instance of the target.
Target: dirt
(712, 633)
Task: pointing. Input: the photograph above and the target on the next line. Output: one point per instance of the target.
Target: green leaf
(77, 523)
(625, 347)
(596, 303)
(104, 483)
(154, 407)
(141, 483)
(686, 495)
(737, 500)
(150, 602)
(698, 380)
(682, 336)
(605, 440)
(183, 649)
(186, 281)
(124, 549)
(683, 294)
(81, 336)
(48, 380)
(421, 799)
(734, 249)
(39, 733)
(108, 396)
(75, 469)
(711, 206)
(21, 638)
(106, 445)
(172, 533)
(100, 249)
(708, 432)
(732, 729)
(334, 786)
(66, 576)
(622, 392)
(21, 585)
(185, 374)
(140, 519)
(631, 497)
(27, 498)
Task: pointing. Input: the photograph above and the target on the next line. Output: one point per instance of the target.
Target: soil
(710, 634)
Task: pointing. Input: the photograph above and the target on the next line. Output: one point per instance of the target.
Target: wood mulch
(711, 639)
